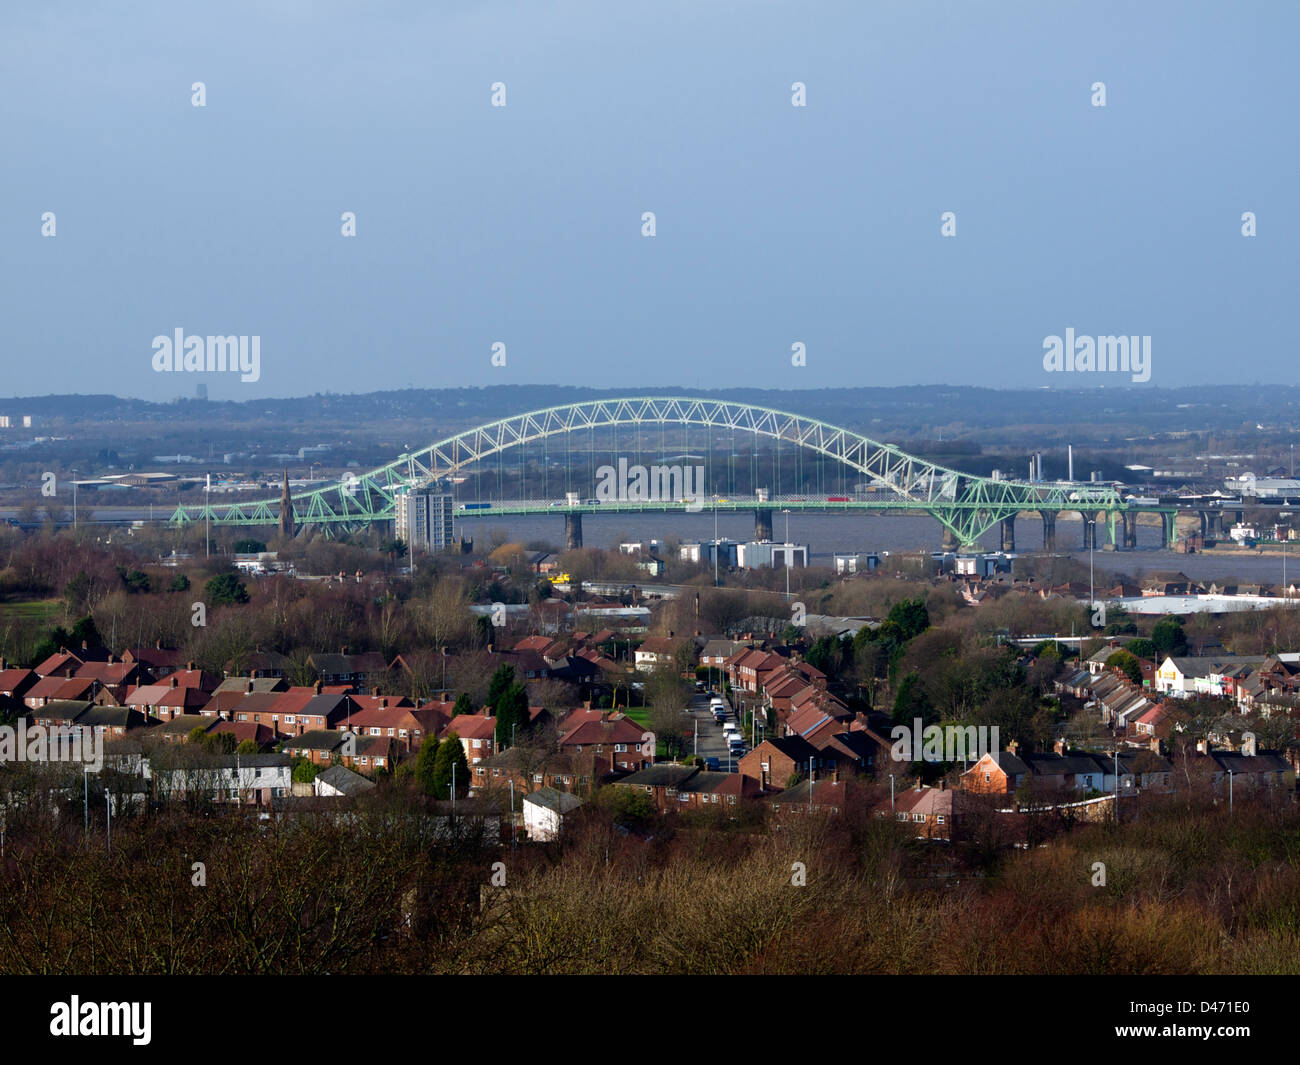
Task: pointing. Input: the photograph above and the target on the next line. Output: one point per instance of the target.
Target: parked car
(712, 764)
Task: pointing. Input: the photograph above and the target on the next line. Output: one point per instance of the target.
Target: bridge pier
(1130, 530)
(1049, 529)
(949, 542)
(1009, 535)
(1216, 531)
(1168, 523)
(763, 524)
(572, 532)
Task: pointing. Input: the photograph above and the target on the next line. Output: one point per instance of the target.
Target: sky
(521, 225)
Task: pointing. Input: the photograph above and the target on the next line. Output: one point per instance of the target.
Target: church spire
(286, 510)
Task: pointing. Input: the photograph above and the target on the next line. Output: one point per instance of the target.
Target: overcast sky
(522, 224)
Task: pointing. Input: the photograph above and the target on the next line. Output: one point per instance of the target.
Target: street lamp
(1092, 543)
(74, 498)
(715, 541)
(789, 556)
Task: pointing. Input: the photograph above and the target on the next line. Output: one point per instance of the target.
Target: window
(537, 778)
(902, 817)
(376, 731)
(288, 719)
(620, 748)
(938, 819)
(243, 717)
(918, 817)
(478, 743)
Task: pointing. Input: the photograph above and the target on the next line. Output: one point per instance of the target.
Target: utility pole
(74, 499)
(1092, 543)
(715, 541)
(207, 518)
(789, 558)
(108, 815)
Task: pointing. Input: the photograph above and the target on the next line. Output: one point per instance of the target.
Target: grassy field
(27, 609)
(639, 714)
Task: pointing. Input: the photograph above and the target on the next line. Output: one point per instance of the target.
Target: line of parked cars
(730, 729)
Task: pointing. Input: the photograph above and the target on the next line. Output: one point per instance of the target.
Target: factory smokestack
(1070, 452)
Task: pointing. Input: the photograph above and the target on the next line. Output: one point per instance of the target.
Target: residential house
(544, 813)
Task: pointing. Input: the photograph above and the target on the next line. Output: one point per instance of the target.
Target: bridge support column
(1111, 543)
(1130, 530)
(1090, 530)
(1049, 530)
(1214, 524)
(572, 532)
(1168, 521)
(763, 524)
(949, 542)
(1009, 534)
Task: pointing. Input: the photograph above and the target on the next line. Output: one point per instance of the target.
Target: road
(711, 742)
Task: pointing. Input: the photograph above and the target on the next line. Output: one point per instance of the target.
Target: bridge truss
(966, 505)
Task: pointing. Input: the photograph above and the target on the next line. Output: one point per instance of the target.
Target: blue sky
(522, 224)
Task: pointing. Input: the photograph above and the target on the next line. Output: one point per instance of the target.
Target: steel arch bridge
(967, 506)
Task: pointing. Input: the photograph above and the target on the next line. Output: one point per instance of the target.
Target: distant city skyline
(794, 247)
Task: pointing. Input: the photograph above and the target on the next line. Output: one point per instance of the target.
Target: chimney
(1059, 746)
(84, 646)
(1012, 747)
(943, 783)
(343, 650)
(317, 687)
(250, 684)
(157, 644)
(189, 667)
(173, 680)
(67, 672)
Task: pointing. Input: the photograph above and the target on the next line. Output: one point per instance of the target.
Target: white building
(726, 550)
(765, 553)
(249, 779)
(544, 812)
(423, 518)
